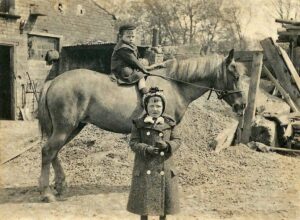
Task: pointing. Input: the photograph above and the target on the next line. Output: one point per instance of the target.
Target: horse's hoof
(48, 198)
(60, 188)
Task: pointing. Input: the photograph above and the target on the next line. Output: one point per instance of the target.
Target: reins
(220, 93)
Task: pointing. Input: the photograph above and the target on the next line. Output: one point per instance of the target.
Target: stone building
(28, 30)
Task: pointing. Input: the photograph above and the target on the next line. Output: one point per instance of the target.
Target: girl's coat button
(148, 133)
(148, 172)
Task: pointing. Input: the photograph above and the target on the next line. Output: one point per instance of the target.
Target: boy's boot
(144, 90)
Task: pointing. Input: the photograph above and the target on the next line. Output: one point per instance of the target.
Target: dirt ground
(237, 183)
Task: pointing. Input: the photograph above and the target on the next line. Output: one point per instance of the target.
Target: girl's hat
(154, 92)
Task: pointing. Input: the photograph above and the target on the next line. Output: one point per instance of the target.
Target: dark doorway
(5, 83)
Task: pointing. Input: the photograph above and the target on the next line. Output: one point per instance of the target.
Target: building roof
(93, 43)
(90, 43)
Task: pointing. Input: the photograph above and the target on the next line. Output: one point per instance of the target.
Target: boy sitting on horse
(124, 61)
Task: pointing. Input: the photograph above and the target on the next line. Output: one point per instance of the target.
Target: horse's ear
(230, 57)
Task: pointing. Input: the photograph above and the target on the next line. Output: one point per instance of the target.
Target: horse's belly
(110, 124)
(115, 117)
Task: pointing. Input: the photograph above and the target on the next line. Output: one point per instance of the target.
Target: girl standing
(154, 140)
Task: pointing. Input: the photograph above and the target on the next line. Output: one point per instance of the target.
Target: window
(39, 45)
(60, 8)
(80, 10)
(4, 6)
(7, 9)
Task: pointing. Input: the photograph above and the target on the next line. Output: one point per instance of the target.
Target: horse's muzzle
(239, 108)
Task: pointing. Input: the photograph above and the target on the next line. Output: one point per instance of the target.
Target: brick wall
(94, 23)
(78, 21)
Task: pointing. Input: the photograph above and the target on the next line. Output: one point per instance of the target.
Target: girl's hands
(153, 150)
(161, 145)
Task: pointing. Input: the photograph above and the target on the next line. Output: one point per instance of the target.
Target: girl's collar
(151, 120)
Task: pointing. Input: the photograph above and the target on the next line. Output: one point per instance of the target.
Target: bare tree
(232, 20)
(286, 9)
(199, 22)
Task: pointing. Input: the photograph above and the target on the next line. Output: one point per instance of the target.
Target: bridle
(221, 94)
(225, 93)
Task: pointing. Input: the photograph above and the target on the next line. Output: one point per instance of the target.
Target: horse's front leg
(60, 183)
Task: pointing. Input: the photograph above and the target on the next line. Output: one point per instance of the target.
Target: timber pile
(271, 119)
(290, 33)
(289, 30)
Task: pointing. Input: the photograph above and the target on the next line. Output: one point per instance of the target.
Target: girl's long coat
(154, 187)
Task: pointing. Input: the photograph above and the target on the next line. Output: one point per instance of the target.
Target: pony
(77, 97)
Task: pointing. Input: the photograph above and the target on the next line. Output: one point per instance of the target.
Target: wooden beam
(291, 67)
(284, 149)
(288, 32)
(286, 96)
(29, 143)
(225, 138)
(291, 26)
(283, 21)
(252, 93)
(274, 57)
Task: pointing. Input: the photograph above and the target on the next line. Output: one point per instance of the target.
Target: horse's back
(79, 76)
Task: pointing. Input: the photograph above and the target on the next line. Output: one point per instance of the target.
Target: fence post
(252, 93)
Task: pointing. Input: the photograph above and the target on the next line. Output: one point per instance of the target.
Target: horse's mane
(197, 68)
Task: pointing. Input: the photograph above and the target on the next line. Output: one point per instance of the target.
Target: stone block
(265, 102)
(264, 131)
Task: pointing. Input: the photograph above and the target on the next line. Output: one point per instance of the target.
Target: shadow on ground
(32, 194)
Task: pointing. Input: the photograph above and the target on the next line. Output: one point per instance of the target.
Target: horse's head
(232, 94)
(209, 73)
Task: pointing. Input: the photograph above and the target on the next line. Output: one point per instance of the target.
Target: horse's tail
(44, 117)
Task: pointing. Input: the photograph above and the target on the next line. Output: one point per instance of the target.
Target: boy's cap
(126, 27)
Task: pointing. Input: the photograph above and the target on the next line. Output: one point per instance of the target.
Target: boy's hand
(162, 145)
(152, 150)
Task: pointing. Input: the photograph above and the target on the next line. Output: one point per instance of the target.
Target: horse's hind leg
(59, 179)
(49, 152)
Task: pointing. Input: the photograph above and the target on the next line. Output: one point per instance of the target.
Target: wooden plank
(280, 69)
(288, 32)
(28, 145)
(290, 66)
(284, 149)
(225, 138)
(286, 96)
(239, 130)
(252, 93)
(291, 26)
(283, 21)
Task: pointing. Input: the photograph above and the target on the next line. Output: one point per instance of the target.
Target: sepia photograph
(150, 109)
